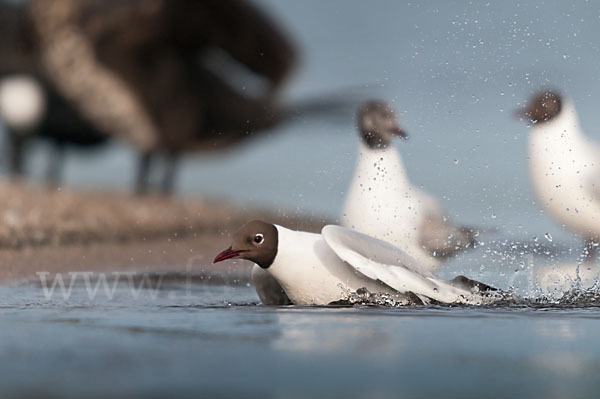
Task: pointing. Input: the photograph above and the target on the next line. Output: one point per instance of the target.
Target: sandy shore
(58, 230)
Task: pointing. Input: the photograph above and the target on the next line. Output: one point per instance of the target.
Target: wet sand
(60, 230)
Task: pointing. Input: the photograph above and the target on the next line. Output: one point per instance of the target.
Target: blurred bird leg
(15, 149)
(142, 180)
(171, 166)
(55, 165)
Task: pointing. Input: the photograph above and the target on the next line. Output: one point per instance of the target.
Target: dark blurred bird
(168, 77)
(31, 107)
(30, 104)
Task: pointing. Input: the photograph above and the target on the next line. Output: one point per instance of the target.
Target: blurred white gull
(382, 201)
(564, 167)
(319, 269)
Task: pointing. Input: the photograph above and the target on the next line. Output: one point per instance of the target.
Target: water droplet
(548, 237)
(493, 216)
(456, 162)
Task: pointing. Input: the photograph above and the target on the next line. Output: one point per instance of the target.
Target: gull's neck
(290, 250)
(558, 151)
(380, 164)
(300, 268)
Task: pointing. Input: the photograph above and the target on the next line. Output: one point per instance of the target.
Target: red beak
(227, 254)
(399, 132)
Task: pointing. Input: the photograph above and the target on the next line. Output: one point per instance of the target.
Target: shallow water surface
(216, 339)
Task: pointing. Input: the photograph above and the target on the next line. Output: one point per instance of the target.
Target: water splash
(576, 298)
(363, 297)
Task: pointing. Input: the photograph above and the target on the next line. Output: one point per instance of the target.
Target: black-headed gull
(564, 166)
(318, 269)
(383, 203)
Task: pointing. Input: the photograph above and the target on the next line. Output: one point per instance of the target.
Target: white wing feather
(381, 261)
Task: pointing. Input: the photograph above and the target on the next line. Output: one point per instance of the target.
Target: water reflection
(221, 341)
(327, 331)
(562, 362)
(562, 329)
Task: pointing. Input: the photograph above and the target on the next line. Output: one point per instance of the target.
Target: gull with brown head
(318, 269)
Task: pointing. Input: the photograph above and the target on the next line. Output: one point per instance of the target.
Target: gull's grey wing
(438, 234)
(443, 238)
(466, 283)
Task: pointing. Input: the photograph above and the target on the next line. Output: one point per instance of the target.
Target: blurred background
(454, 71)
(252, 103)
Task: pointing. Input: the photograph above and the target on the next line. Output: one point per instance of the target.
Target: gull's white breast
(310, 273)
(382, 203)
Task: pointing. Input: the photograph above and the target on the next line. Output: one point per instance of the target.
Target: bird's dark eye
(259, 238)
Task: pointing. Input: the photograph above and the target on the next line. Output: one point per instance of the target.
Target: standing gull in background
(564, 166)
(318, 269)
(383, 203)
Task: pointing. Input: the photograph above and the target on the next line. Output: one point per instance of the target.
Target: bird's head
(378, 124)
(256, 241)
(542, 107)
